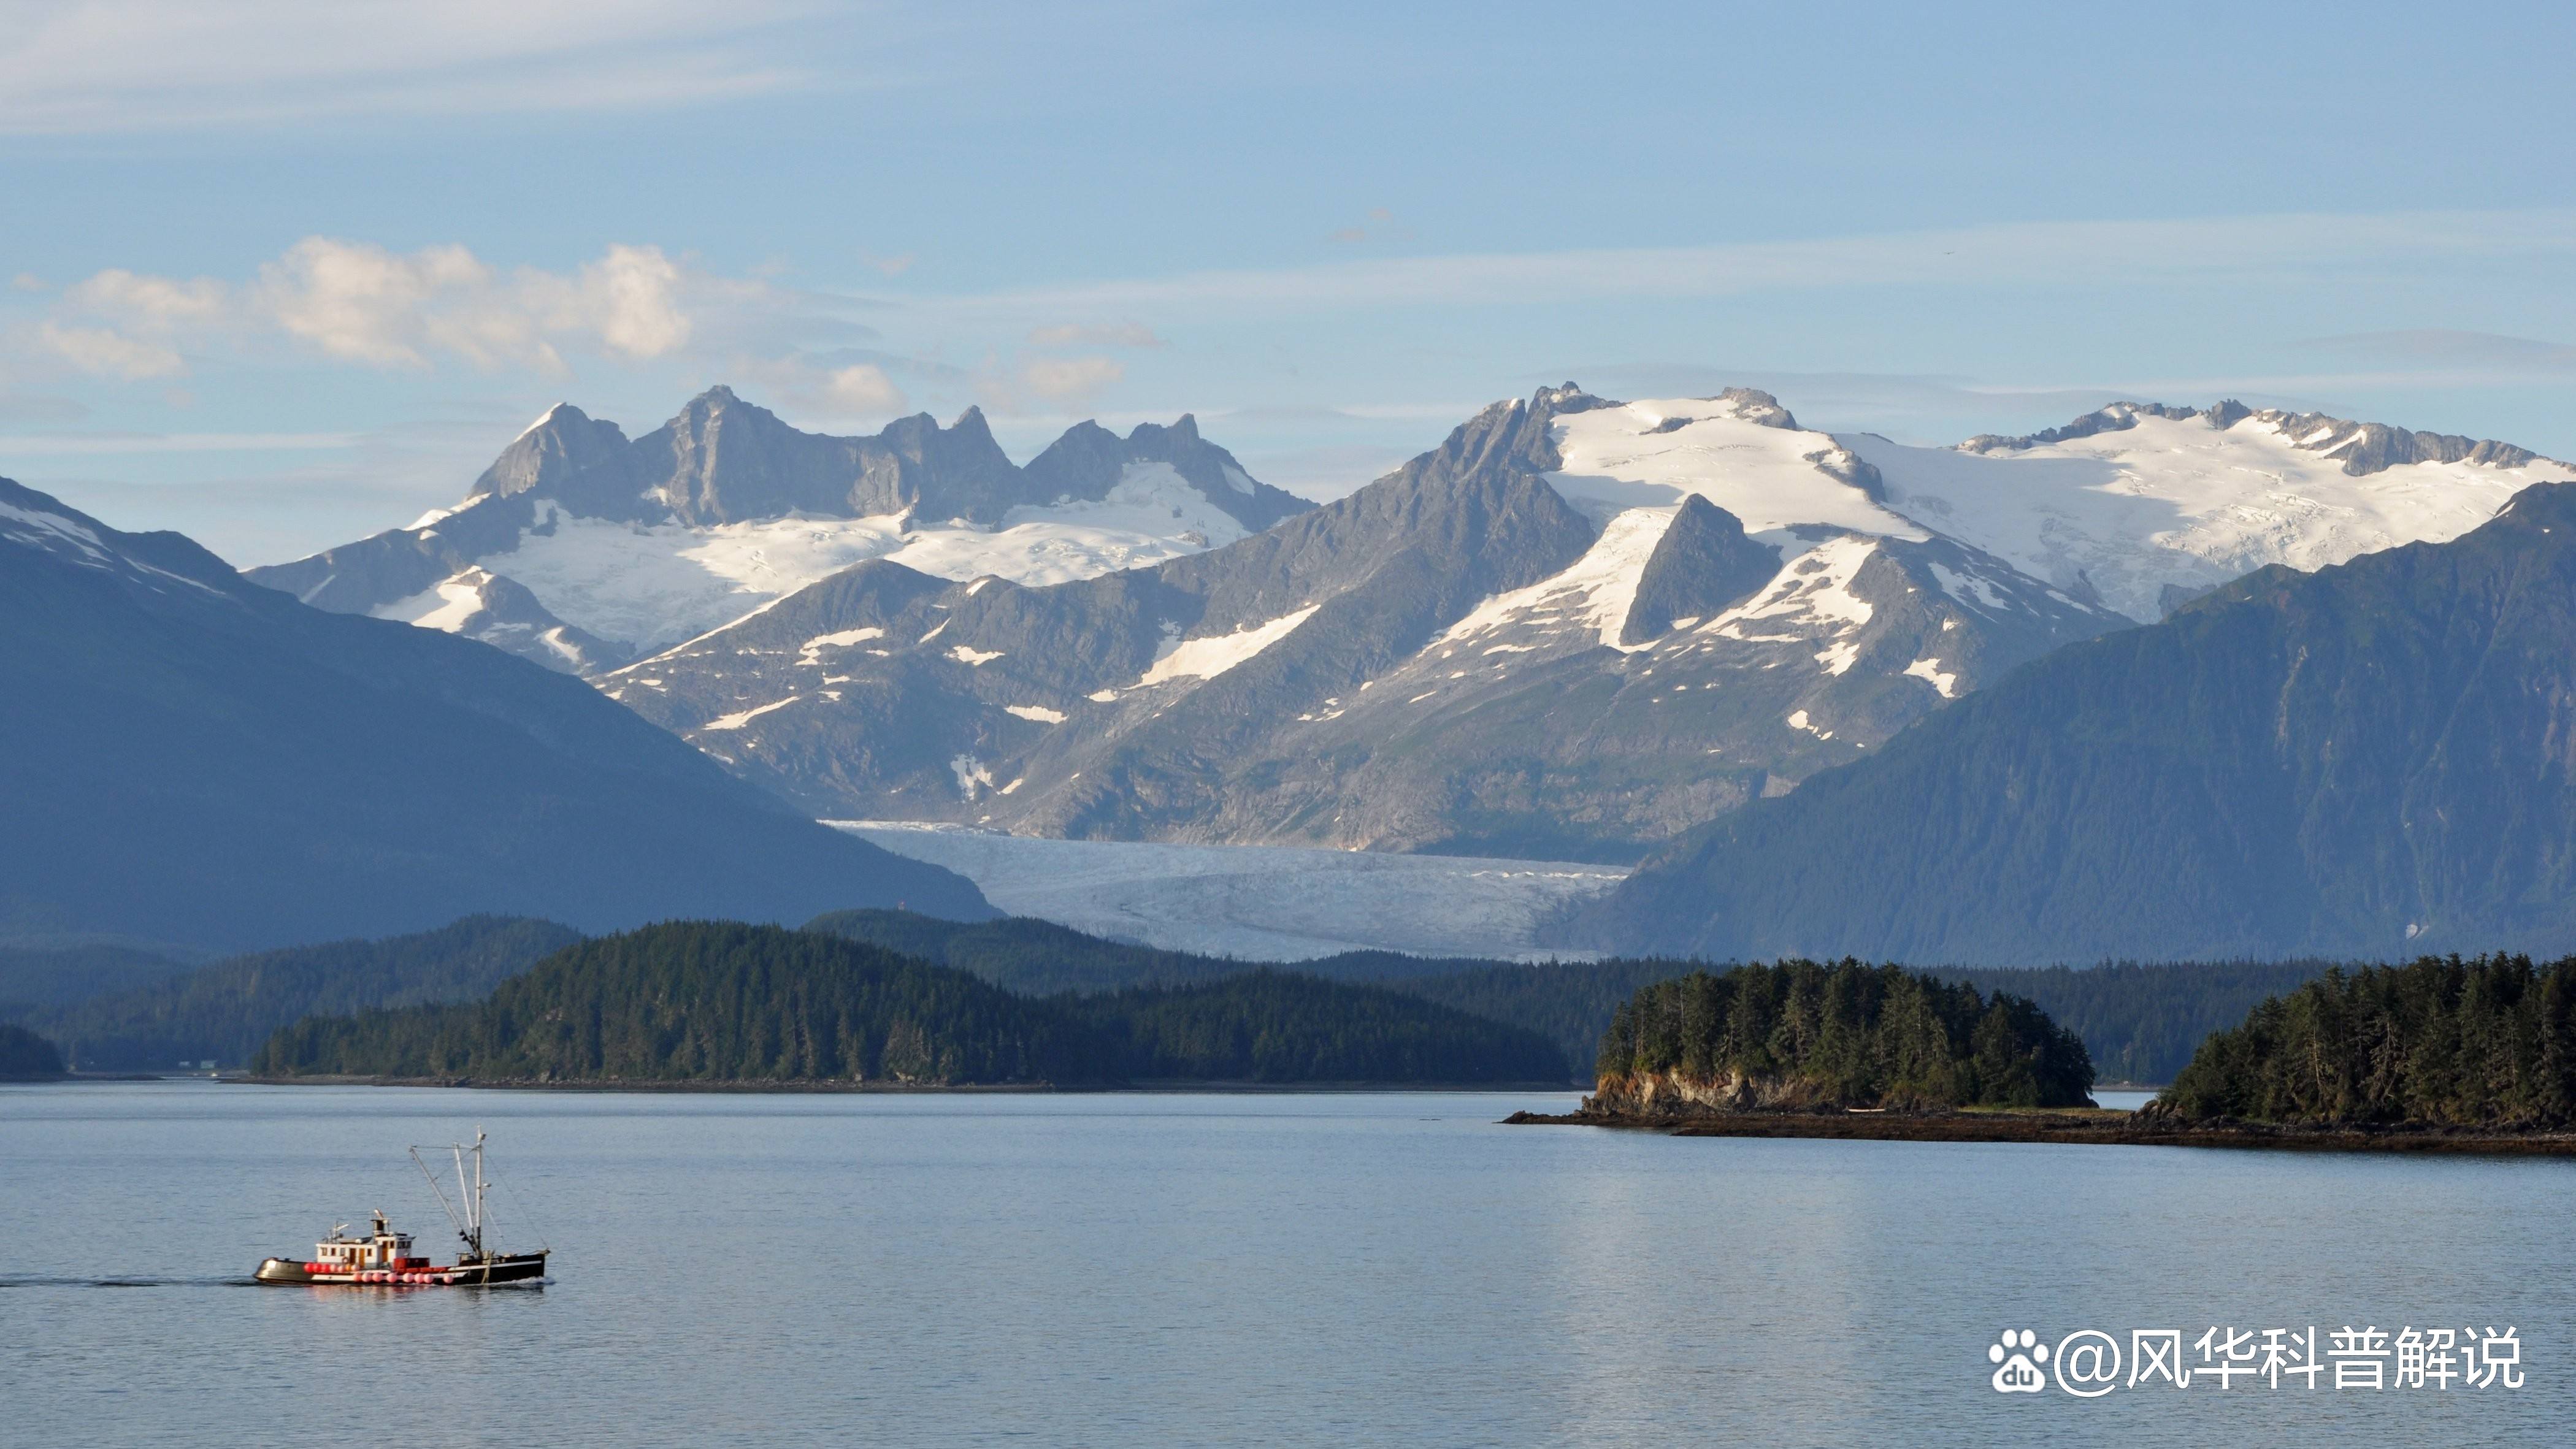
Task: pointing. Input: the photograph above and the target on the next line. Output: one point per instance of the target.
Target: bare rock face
(1675, 1094)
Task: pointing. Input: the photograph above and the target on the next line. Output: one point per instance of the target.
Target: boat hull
(498, 1269)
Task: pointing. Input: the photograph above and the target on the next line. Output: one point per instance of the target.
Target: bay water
(1136, 1268)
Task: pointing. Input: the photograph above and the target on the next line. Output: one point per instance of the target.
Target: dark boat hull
(499, 1269)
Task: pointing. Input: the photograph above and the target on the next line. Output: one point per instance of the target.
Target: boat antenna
(466, 1228)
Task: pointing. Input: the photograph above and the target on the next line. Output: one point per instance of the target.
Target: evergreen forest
(222, 1012)
(23, 1054)
(724, 1002)
(2485, 1042)
(1848, 1034)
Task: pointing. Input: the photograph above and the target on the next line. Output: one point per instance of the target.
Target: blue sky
(282, 274)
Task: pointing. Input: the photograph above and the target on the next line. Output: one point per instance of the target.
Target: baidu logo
(2020, 1353)
(2087, 1363)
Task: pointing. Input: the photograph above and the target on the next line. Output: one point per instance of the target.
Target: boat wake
(27, 1280)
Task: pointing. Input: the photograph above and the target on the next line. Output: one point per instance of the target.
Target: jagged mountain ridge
(579, 548)
(2374, 760)
(1524, 642)
(192, 759)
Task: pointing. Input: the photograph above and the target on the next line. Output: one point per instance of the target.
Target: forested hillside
(2141, 1022)
(708, 1002)
(1040, 958)
(221, 1013)
(33, 978)
(1801, 1034)
(1275, 1027)
(2489, 1042)
(1571, 1003)
(24, 1054)
(718, 1002)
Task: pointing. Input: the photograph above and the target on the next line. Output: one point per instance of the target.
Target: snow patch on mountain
(811, 655)
(1150, 515)
(1592, 596)
(445, 605)
(51, 532)
(1929, 671)
(1209, 657)
(737, 720)
(1814, 589)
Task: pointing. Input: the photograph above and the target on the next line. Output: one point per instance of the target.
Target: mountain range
(1579, 629)
(2374, 760)
(579, 547)
(1576, 630)
(191, 759)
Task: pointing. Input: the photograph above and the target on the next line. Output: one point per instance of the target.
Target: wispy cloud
(46, 444)
(1096, 334)
(137, 65)
(2456, 348)
(2021, 255)
(1071, 380)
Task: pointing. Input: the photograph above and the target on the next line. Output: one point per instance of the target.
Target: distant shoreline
(2077, 1125)
(1149, 1088)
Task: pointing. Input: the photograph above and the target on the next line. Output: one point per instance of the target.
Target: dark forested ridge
(710, 1002)
(23, 1055)
(2489, 1042)
(2142, 1022)
(1801, 1034)
(1571, 1003)
(34, 978)
(1040, 958)
(221, 1013)
(2139, 1022)
(1274, 1026)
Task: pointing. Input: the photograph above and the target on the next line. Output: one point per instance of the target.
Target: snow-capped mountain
(580, 549)
(1575, 628)
(2141, 506)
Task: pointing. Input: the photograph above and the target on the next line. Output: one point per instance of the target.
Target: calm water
(1329, 1269)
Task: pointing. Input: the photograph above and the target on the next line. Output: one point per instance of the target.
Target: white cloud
(159, 302)
(861, 390)
(1105, 334)
(358, 302)
(130, 65)
(105, 353)
(1071, 379)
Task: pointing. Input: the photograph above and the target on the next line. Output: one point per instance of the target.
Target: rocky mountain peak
(551, 451)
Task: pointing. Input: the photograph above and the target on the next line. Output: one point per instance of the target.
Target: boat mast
(479, 1185)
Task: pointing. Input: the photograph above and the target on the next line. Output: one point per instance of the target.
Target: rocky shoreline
(2089, 1126)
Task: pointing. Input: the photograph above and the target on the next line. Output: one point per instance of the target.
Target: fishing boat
(383, 1258)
